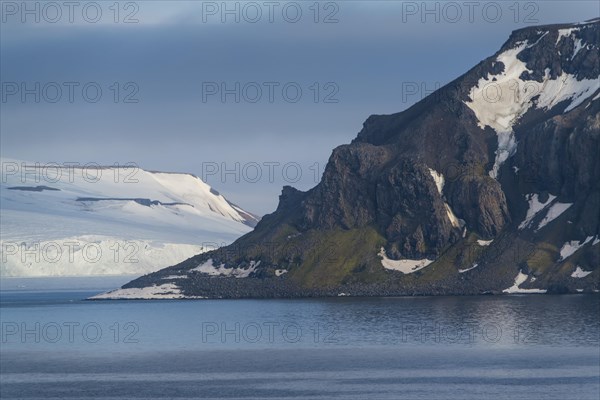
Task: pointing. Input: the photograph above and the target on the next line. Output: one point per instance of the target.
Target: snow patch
(175, 277)
(553, 212)
(279, 272)
(569, 248)
(438, 179)
(456, 222)
(439, 183)
(578, 46)
(462, 271)
(499, 101)
(535, 206)
(565, 87)
(210, 269)
(519, 280)
(502, 114)
(485, 242)
(405, 266)
(580, 273)
(565, 33)
(165, 291)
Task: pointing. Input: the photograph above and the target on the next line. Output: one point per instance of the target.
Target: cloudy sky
(249, 95)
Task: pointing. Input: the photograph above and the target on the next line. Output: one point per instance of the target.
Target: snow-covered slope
(500, 100)
(66, 221)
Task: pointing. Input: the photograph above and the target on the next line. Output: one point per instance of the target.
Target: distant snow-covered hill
(67, 221)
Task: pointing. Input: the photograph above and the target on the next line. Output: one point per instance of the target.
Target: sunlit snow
(519, 280)
(439, 180)
(162, 219)
(554, 212)
(405, 266)
(498, 101)
(462, 271)
(209, 268)
(165, 291)
(580, 273)
(535, 206)
(569, 248)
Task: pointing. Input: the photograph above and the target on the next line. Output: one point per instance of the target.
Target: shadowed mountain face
(490, 183)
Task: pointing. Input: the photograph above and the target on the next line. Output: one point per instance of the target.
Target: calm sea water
(56, 345)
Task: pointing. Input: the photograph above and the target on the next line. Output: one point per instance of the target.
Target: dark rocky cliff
(437, 183)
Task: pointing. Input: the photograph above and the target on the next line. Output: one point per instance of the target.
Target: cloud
(169, 56)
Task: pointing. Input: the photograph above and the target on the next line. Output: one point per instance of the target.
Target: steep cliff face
(490, 183)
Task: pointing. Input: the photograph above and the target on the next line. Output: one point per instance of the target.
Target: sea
(55, 344)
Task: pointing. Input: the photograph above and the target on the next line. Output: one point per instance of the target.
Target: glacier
(60, 220)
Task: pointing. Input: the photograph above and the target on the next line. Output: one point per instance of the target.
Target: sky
(250, 96)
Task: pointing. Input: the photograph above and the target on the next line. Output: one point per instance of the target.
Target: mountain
(488, 185)
(58, 220)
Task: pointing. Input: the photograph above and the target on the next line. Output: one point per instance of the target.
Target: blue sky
(162, 79)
